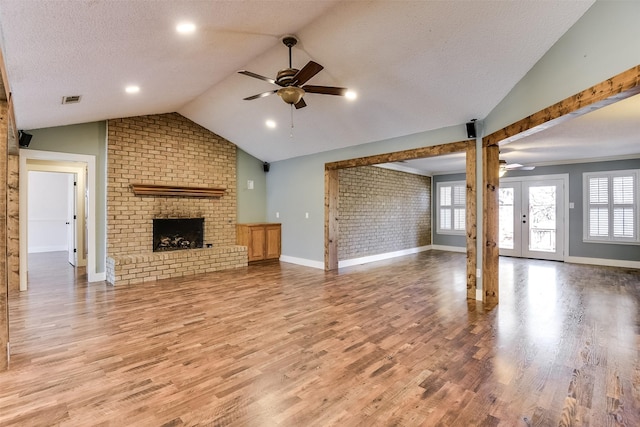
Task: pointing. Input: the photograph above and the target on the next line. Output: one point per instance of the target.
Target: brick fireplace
(168, 150)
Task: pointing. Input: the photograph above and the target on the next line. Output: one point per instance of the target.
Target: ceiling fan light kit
(291, 94)
(291, 81)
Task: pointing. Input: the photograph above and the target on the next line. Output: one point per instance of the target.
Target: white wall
(48, 205)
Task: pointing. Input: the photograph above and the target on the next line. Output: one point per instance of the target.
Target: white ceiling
(416, 65)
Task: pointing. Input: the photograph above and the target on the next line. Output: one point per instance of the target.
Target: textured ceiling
(416, 65)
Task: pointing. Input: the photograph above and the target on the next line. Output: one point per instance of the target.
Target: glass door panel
(531, 219)
(509, 210)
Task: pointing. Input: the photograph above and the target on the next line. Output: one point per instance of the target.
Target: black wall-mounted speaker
(24, 139)
(266, 166)
(471, 130)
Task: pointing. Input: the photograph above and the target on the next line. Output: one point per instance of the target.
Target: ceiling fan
(505, 167)
(291, 81)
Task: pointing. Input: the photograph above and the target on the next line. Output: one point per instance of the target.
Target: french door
(531, 218)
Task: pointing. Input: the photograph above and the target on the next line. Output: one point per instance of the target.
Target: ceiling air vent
(71, 99)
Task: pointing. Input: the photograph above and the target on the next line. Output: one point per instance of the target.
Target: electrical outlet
(306, 215)
(277, 214)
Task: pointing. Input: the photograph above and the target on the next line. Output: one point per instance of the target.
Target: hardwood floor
(385, 344)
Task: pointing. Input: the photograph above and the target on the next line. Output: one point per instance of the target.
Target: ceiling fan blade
(257, 76)
(511, 166)
(325, 90)
(300, 104)
(308, 71)
(260, 95)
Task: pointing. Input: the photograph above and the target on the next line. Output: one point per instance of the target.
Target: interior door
(532, 219)
(72, 216)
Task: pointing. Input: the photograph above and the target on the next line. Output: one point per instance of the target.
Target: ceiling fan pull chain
(291, 134)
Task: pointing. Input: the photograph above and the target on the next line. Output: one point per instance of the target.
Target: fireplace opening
(173, 234)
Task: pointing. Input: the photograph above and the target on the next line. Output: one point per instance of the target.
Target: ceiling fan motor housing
(285, 76)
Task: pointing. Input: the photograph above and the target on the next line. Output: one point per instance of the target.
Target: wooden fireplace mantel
(178, 191)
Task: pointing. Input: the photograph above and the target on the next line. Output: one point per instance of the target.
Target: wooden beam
(471, 221)
(490, 258)
(417, 153)
(177, 191)
(331, 185)
(4, 284)
(621, 86)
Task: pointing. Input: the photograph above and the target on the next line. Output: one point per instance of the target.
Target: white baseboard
(380, 257)
(602, 261)
(39, 249)
(460, 249)
(97, 277)
(302, 261)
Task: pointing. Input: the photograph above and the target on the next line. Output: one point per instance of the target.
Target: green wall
(252, 204)
(296, 186)
(88, 139)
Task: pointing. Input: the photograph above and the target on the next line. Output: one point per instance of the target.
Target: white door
(531, 218)
(72, 216)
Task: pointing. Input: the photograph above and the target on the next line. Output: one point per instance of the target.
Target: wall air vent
(71, 99)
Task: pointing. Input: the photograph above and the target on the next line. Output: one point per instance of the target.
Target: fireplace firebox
(172, 234)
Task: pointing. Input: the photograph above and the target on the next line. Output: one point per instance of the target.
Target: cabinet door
(256, 243)
(273, 242)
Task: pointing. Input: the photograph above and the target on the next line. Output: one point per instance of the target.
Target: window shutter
(611, 211)
(445, 219)
(598, 222)
(598, 191)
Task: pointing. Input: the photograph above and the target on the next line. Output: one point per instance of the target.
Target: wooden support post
(471, 219)
(331, 186)
(490, 259)
(13, 221)
(4, 286)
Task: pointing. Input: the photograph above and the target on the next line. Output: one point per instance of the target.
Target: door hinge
(75, 250)
(75, 183)
(75, 217)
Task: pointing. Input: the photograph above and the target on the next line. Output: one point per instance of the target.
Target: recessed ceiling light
(186, 27)
(132, 89)
(351, 95)
(270, 124)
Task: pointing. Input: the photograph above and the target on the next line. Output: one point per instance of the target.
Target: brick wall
(166, 149)
(382, 210)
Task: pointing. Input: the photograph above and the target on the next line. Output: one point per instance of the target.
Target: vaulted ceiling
(415, 65)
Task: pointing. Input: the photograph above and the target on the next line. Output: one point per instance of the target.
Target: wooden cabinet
(261, 239)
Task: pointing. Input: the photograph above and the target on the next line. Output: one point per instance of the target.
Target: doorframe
(564, 177)
(82, 160)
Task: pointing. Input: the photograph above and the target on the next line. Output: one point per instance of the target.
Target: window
(451, 207)
(611, 206)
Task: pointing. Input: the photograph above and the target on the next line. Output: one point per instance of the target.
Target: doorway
(53, 221)
(84, 166)
(532, 217)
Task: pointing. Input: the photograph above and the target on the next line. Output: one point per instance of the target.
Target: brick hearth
(130, 269)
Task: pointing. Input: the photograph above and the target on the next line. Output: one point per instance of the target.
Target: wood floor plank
(394, 342)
